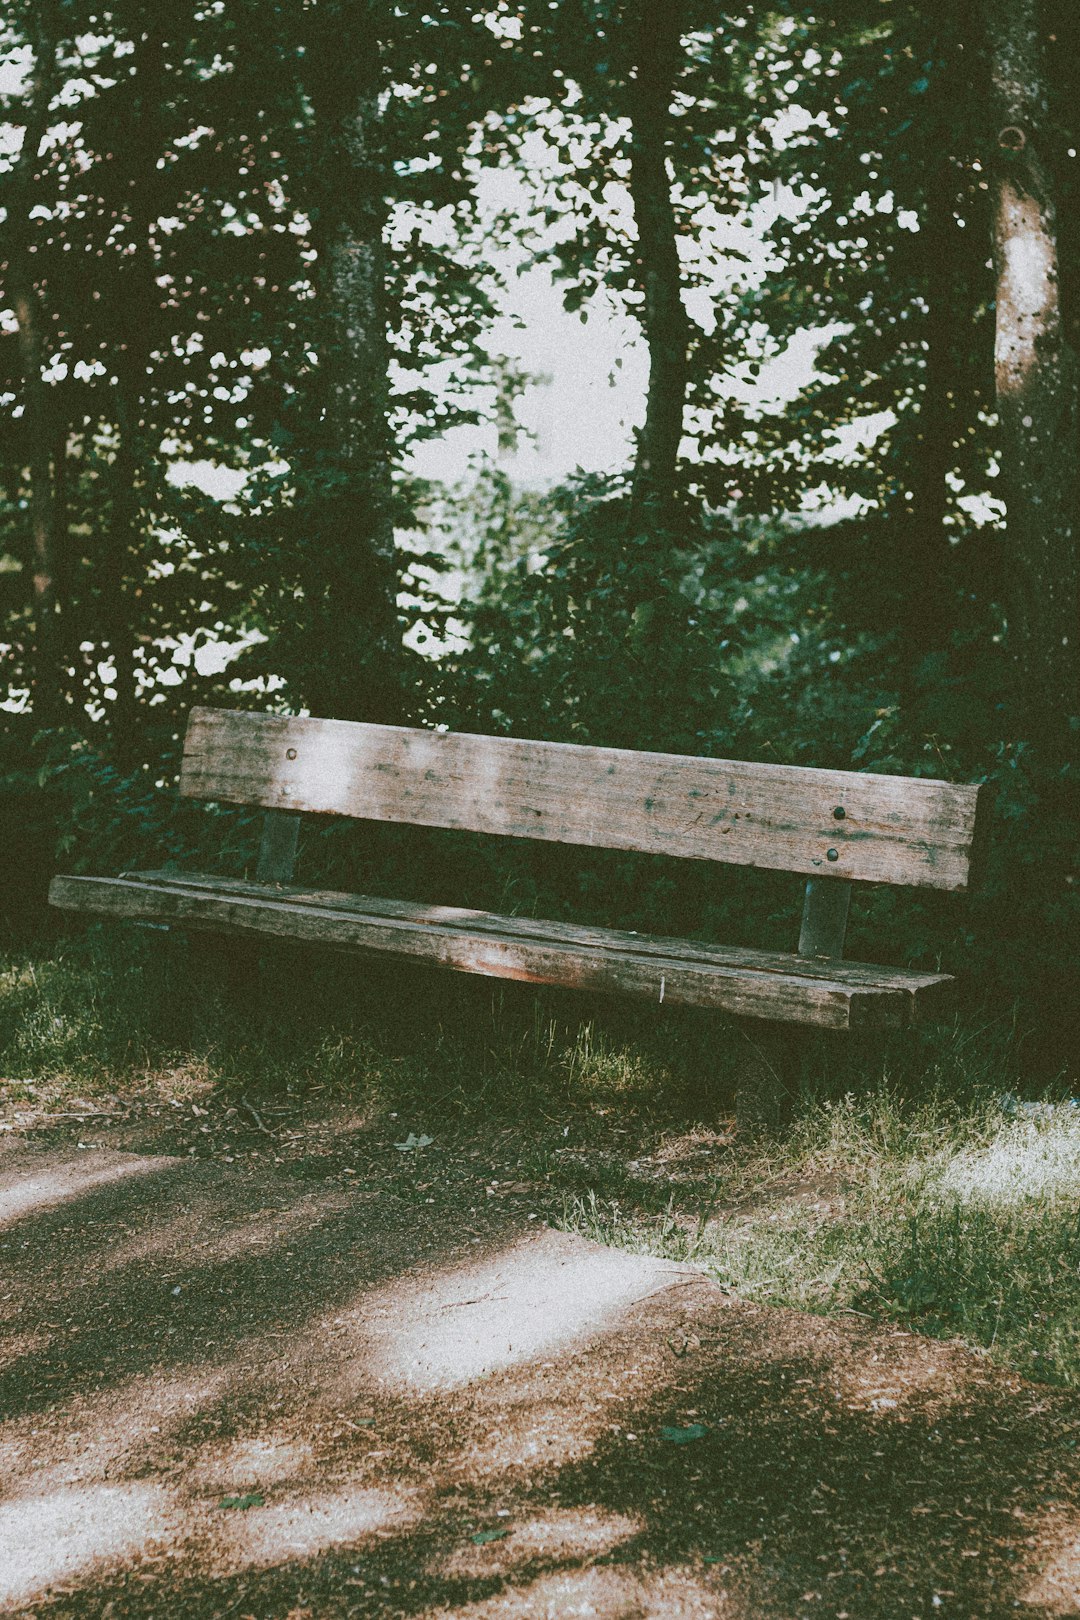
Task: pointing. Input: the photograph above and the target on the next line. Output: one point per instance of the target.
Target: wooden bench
(833, 828)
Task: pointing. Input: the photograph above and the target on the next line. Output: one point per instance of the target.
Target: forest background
(262, 407)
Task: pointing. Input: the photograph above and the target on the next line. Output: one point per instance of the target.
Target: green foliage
(829, 590)
(174, 228)
(581, 630)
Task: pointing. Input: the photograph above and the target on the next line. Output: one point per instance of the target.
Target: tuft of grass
(114, 1006)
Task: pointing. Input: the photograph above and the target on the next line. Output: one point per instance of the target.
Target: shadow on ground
(227, 1391)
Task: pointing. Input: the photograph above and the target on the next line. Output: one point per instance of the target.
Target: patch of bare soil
(310, 1370)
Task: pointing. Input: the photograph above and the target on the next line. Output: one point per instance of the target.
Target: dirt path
(230, 1389)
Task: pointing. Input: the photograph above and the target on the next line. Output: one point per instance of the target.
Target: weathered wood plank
(921, 987)
(747, 983)
(885, 829)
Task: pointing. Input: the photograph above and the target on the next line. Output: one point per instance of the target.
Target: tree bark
(64, 569)
(134, 454)
(353, 576)
(1036, 389)
(36, 419)
(929, 616)
(656, 264)
(121, 551)
(953, 259)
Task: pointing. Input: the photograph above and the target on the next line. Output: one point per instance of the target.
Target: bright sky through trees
(589, 376)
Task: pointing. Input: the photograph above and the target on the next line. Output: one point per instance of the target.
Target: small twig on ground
(257, 1117)
(233, 1605)
(456, 1304)
(687, 1282)
(82, 1113)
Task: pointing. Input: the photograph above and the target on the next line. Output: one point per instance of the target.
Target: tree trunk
(134, 455)
(656, 264)
(36, 419)
(352, 575)
(122, 550)
(929, 614)
(1036, 389)
(64, 570)
(952, 265)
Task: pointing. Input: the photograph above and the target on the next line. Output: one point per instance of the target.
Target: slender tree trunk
(36, 420)
(68, 651)
(134, 456)
(656, 263)
(123, 549)
(353, 574)
(929, 609)
(953, 262)
(930, 614)
(1036, 389)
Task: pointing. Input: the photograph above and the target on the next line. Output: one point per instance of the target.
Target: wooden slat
(865, 975)
(747, 983)
(886, 829)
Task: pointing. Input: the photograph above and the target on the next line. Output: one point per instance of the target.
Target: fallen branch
(257, 1117)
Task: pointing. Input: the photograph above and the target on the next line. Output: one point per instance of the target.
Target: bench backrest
(883, 829)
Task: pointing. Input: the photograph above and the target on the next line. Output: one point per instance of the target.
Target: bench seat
(825, 992)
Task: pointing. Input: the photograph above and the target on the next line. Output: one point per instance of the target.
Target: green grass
(905, 1191)
(113, 1005)
(950, 1217)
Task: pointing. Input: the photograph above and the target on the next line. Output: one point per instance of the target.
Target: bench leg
(768, 1064)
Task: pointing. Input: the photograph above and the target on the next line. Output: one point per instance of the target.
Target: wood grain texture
(893, 829)
(869, 975)
(756, 984)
